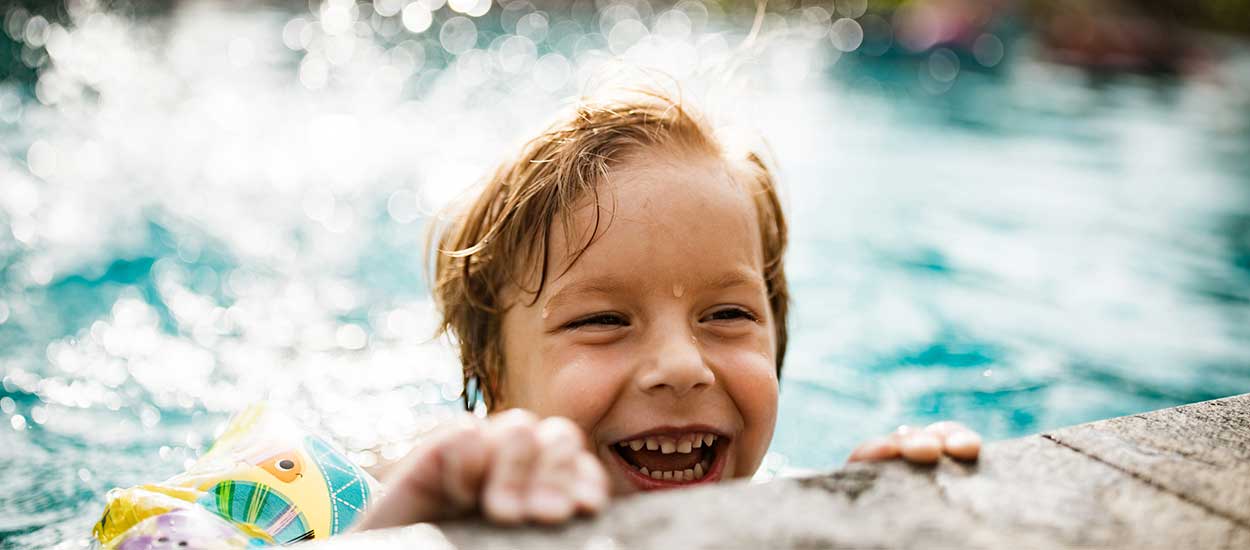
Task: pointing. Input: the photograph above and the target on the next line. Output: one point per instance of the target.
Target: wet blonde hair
(504, 230)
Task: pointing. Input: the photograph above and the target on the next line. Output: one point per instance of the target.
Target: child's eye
(729, 314)
(604, 320)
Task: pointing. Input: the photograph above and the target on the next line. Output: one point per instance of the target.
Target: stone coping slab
(1175, 478)
(1200, 452)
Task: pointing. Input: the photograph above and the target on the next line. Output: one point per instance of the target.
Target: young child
(618, 293)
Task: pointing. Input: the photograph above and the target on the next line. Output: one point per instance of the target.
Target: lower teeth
(695, 473)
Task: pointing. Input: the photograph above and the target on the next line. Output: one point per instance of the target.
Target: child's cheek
(747, 366)
(750, 378)
(583, 384)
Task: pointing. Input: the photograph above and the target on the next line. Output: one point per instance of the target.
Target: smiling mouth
(657, 461)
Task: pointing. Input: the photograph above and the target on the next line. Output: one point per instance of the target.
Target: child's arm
(923, 446)
(511, 467)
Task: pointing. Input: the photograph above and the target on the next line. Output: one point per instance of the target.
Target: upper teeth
(684, 444)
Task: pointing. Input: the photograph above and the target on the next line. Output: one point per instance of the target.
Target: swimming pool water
(202, 208)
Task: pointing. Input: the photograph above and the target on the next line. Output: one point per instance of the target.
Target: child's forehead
(712, 169)
(647, 185)
(653, 196)
(644, 209)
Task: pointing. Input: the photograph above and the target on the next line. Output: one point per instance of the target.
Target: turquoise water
(200, 208)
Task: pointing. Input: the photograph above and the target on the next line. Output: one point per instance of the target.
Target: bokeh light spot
(988, 50)
(458, 35)
(402, 206)
(517, 54)
(388, 8)
(533, 26)
(551, 72)
(292, 33)
(625, 34)
(314, 72)
(42, 159)
(674, 24)
(851, 8)
(417, 18)
(351, 337)
(471, 8)
(943, 65)
(846, 34)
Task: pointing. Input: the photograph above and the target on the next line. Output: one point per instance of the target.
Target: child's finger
(415, 489)
(884, 448)
(919, 446)
(964, 445)
(549, 498)
(410, 499)
(958, 441)
(515, 447)
(590, 488)
(465, 460)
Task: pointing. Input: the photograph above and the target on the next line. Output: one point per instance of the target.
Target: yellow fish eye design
(285, 466)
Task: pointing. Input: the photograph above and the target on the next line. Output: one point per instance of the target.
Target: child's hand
(922, 446)
(512, 467)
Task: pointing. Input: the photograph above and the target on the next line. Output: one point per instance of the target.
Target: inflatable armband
(263, 482)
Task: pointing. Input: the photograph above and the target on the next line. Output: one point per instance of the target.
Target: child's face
(661, 331)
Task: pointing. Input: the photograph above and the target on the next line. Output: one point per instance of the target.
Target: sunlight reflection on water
(215, 207)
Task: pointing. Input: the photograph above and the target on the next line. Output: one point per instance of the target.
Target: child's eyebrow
(737, 277)
(612, 285)
(597, 285)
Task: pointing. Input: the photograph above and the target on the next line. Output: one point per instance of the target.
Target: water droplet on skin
(678, 290)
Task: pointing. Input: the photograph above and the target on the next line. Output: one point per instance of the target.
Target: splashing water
(201, 207)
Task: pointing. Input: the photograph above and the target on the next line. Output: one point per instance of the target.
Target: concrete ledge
(1175, 478)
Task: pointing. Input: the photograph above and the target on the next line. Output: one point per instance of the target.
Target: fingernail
(547, 505)
(505, 504)
(920, 440)
(921, 448)
(962, 439)
(544, 501)
(590, 494)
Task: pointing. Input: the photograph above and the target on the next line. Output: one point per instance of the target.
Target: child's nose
(675, 364)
